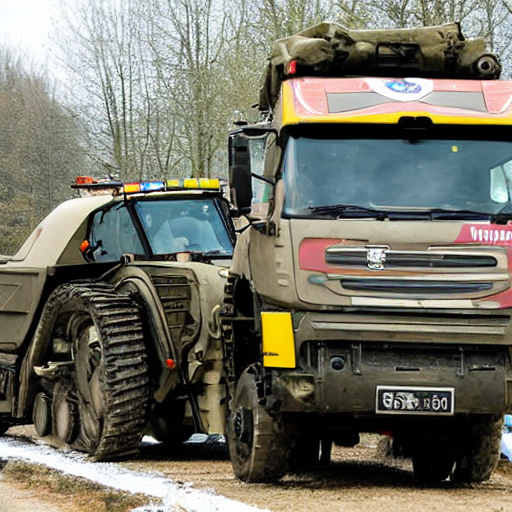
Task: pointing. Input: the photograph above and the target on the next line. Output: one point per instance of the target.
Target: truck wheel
(4, 427)
(432, 465)
(481, 450)
(257, 444)
(305, 453)
(101, 409)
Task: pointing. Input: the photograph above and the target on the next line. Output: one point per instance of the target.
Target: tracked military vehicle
(109, 317)
(371, 290)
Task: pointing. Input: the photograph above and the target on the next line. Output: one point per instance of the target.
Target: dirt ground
(14, 498)
(356, 480)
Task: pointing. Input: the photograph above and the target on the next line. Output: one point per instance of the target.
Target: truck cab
(371, 290)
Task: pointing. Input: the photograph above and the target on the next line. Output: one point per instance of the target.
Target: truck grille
(336, 256)
(414, 286)
(174, 293)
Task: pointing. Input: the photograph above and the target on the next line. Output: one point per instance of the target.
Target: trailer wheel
(481, 450)
(257, 444)
(102, 397)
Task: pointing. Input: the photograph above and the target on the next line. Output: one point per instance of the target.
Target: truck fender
(134, 280)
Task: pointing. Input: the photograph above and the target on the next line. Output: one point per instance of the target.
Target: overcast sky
(26, 24)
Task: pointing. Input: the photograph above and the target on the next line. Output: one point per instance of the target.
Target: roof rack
(329, 49)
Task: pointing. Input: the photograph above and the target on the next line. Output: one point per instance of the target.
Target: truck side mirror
(240, 182)
(241, 143)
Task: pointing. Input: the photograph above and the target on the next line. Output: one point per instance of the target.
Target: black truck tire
(4, 427)
(258, 446)
(432, 465)
(305, 453)
(100, 406)
(480, 450)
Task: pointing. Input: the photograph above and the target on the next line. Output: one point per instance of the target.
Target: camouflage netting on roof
(329, 49)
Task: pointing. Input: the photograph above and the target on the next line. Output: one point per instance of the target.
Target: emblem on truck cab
(376, 257)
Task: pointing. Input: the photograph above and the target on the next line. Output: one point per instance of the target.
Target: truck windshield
(181, 225)
(397, 175)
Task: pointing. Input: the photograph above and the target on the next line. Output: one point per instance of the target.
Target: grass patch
(76, 493)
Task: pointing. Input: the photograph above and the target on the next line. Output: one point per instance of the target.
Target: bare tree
(39, 148)
(160, 80)
(188, 38)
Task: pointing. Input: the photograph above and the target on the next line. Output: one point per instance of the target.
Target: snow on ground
(175, 496)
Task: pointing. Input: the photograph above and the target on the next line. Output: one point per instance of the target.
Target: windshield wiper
(340, 210)
(217, 253)
(497, 218)
(344, 210)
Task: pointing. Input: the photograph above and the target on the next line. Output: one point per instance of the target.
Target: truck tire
(101, 406)
(305, 453)
(480, 451)
(257, 443)
(432, 465)
(309, 451)
(4, 427)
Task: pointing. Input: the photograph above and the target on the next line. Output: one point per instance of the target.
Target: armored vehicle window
(114, 234)
(180, 225)
(396, 174)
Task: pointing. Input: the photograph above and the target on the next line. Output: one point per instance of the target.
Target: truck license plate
(414, 400)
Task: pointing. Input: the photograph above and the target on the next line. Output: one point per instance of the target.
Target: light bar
(190, 183)
(151, 186)
(130, 188)
(88, 186)
(209, 183)
(173, 184)
(206, 183)
(85, 180)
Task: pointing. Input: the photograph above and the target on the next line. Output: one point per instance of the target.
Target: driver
(160, 235)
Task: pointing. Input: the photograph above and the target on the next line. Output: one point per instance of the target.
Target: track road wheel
(100, 406)
(65, 413)
(42, 415)
(481, 450)
(258, 447)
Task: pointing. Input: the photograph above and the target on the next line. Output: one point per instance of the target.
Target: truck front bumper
(343, 361)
